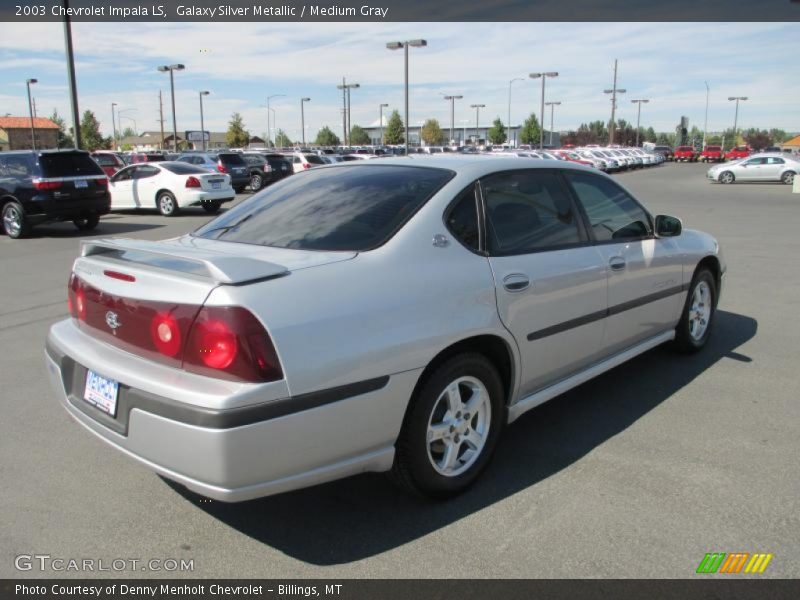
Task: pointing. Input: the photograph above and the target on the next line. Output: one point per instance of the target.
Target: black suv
(51, 185)
(266, 168)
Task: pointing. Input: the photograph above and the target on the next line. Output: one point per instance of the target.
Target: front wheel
(788, 177)
(726, 177)
(452, 427)
(86, 223)
(167, 205)
(694, 328)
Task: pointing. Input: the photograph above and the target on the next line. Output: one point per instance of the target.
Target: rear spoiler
(221, 268)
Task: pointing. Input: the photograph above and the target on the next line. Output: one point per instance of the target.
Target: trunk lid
(213, 181)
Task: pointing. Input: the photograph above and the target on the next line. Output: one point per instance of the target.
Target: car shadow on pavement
(356, 518)
(104, 229)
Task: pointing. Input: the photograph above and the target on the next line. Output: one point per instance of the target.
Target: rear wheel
(212, 207)
(452, 427)
(167, 205)
(86, 223)
(15, 224)
(726, 177)
(788, 177)
(694, 328)
(256, 182)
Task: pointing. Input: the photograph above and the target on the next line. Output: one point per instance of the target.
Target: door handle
(516, 282)
(617, 263)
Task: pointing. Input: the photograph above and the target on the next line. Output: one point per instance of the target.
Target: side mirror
(667, 226)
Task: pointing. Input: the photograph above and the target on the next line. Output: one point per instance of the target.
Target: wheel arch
(711, 263)
(170, 192)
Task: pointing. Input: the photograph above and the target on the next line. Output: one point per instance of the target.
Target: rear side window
(105, 160)
(528, 211)
(68, 164)
(350, 208)
(231, 159)
(182, 168)
(462, 219)
(20, 165)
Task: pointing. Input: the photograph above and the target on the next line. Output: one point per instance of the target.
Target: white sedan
(759, 167)
(169, 186)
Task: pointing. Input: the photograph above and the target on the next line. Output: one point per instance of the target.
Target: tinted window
(155, 157)
(756, 161)
(145, 172)
(105, 160)
(20, 165)
(462, 220)
(528, 211)
(124, 175)
(182, 168)
(314, 159)
(254, 159)
(231, 159)
(68, 164)
(348, 208)
(612, 213)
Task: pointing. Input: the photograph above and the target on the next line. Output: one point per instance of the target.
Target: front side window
(124, 175)
(350, 208)
(755, 162)
(613, 214)
(528, 211)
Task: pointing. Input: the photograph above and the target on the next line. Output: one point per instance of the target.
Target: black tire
(212, 208)
(413, 467)
(685, 340)
(86, 223)
(167, 205)
(726, 177)
(15, 223)
(256, 181)
(788, 177)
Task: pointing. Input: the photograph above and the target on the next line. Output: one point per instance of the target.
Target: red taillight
(166, 334)
(307, 165)
(193, 182)
(80, 303)
(120, 276)
(103, 181)
(217, 344)
(221, 168)
(46, 185)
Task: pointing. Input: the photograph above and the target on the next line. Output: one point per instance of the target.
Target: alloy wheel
(700, 311)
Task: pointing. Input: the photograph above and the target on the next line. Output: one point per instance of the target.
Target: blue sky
(241, 64)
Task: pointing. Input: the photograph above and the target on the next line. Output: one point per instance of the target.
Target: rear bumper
(238, 453)
(198, 197)
(65, 210)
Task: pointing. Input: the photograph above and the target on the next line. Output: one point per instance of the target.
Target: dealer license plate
(101, 392)
(216, 186)
(81, 183)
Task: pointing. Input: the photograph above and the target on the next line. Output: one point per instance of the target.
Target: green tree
(757, 139)
(64, 139)
(237, 136)
(431, 133)
(666, 139)
(326, 137)
(359, 136)
(778, 136)
(282, 140)
(127, 132)
(90, 132)
(530, 132)
(394, 133)
(497, 132)
(650, 135)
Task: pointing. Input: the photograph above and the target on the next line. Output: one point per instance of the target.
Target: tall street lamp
(303, 118)
(736, 117)
(380, 118)
(172, 69)
(477, 108)
(345, 87)
(510, 83)
(705, 123)
(552, 105)
(639, 103)
(202, 120)
(452, 100)
(544, 76)
(269, 131)
(114, 125)
(405, 45)
(28, 83)
(613, 91)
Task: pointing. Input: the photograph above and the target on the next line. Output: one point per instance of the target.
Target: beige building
(15, 133)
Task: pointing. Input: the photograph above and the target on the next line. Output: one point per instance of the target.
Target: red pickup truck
(711, 154)
(685, 154)
(737, 152)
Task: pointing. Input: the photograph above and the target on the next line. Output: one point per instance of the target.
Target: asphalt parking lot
(638, 473)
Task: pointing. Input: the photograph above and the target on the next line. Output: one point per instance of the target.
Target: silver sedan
(759, 167)
(390, 315)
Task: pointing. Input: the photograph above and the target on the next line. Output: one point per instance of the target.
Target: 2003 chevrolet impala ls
(388, 316)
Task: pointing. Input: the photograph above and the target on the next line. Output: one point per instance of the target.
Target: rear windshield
(346, 208)
(105, 160)
(180, 168)
(314, 159)
(231, 159)
(68, 164)
(713, 148)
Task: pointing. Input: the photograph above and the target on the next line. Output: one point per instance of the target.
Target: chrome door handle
(516, 282)
(617, 263)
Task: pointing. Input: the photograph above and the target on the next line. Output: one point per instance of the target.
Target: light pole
(552, 105)
(269, 133)
(113, 125)
(639, 103)
(28, 83)
(380, 118)
(736, 117)
(464, 122)
(120, 116)
(172, 69)
(544, 76)
(202, 120)
(477, 108)
(405, 45)
(613, 91)
(345, 87)
(509, 108)
(303, 118)
(452, 100)
(705, 123)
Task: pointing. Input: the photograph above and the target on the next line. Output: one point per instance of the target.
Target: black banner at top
(401, 10)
